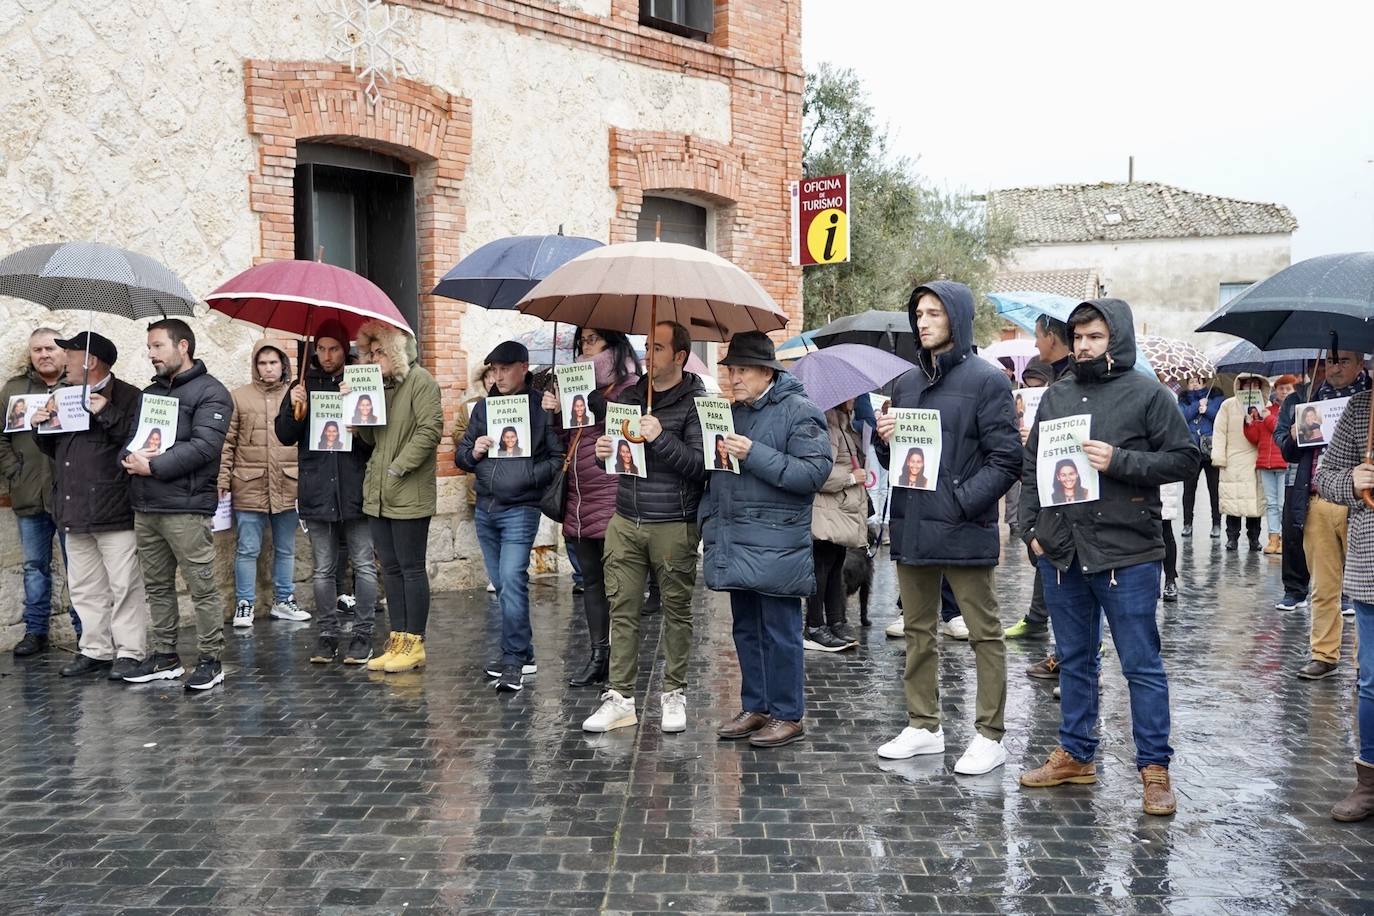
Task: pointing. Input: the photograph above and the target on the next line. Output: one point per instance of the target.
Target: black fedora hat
(752, 348)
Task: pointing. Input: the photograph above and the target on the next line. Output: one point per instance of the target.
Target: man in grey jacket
(173, 495)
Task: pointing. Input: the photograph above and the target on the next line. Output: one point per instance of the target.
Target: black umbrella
(1318, 303)
(890, 331)
(501, 273)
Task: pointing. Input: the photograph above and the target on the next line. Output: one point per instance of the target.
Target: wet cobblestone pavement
(327, 790)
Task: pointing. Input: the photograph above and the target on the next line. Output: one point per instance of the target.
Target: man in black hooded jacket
(951, 532)
(1107, 551)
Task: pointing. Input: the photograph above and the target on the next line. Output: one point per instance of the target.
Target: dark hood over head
(958, 301)
(1120, 356)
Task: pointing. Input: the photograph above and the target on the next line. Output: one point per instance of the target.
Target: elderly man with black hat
(92, 510)
(509, 491)
(756, 528)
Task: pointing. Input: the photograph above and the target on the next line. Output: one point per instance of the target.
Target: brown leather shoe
(742, 725)
(1359, 804)
(777, 733)
(1159, 798)
(1059, 769)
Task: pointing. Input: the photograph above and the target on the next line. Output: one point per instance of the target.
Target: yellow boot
(393, 646)
(410, 656)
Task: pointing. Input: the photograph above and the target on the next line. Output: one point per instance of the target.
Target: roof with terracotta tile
(1081, 283)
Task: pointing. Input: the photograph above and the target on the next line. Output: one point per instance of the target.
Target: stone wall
(153, 125)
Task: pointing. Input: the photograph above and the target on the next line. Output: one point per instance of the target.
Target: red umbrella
(296, 296)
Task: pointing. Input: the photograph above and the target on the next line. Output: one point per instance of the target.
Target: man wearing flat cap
(507, 514)
(756, 528)
(92, 510)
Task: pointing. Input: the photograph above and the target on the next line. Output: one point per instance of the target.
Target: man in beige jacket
(258, 472)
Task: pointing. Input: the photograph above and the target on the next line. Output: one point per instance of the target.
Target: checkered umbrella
(1175, 360)
(94, 277)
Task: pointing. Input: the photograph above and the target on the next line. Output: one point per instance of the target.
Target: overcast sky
(1258, 101)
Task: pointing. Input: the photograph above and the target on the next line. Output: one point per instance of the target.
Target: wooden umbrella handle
(1368, 495)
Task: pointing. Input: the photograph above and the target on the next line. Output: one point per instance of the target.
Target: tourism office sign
(820, 220)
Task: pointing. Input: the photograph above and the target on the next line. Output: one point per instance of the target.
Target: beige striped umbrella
(632, 286)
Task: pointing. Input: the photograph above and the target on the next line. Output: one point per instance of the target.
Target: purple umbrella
(836, 374)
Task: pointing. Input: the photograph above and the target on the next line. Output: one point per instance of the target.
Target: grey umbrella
(890, 331)
(1321, 302)
(94, 277)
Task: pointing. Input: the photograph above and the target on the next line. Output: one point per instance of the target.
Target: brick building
(217, 134)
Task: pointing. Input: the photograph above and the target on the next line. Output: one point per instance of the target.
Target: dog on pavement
(858, 570)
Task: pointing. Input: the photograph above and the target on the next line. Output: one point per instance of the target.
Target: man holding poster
(956, 457)
(1099, 539)
(172, 488)
(509, 489)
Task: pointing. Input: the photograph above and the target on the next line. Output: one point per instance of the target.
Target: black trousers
(591, 557)
(402, 545)
(1296, 578)
(1213, 493)
(1252, 527)
(1170, 552)
(827, 605)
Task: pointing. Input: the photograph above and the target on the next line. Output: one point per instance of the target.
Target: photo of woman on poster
(1068, 486)
(363, 414)
(625, 459)
(53, 421)
(510, 444)
(578, 415)
(154, 441)
(1310, 426)
(723, 460)
(913, 475)
(18, 418)
(329, 438)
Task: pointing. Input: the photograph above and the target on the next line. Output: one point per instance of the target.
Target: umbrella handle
(649, 386)
(626, 434)
(1368, 495)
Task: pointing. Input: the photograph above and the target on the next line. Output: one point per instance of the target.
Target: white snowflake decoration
(363, 34)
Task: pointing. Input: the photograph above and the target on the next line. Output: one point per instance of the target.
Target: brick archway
(292, 101)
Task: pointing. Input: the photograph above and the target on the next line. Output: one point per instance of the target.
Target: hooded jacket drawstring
(1112, 584)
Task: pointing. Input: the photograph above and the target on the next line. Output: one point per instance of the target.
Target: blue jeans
(576, 563)
(1272, 481)
(1129, 597)
(250, 526)
(1364, 629)
(35, 539)
(507, 538)
(768, 642)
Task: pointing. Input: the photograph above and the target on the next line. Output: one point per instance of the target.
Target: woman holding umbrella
(839, 517)
(591, 491)
(399, 493)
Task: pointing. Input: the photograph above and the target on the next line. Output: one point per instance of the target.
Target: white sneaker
(615, 712)
(896, 629)
(1348, 611)
(289, 610)
(674, 711)
(346, 604)
(243, 614)
(913, 741)
(983, 756)
(955, 628)
(491, 588)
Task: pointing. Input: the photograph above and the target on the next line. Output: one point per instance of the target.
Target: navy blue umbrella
(501, 273)
(1321, 302)
(1243, 356)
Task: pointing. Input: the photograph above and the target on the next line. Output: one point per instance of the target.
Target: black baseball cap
(102, 348)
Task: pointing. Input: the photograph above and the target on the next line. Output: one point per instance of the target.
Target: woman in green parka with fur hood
(399, 492)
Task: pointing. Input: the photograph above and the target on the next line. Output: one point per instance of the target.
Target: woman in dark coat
(591, 491)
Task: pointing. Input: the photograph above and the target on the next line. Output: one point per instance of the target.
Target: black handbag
(554, 504)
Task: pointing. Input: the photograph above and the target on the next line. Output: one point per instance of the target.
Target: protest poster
(626, 457)
(717, 422)
(1062, 472)
(157, 424)
(365, 403)
(575, 383)
(508, 422)
(1027, 401)
(70, 416)
(223, 519)
(1251, 399)
(328, 428)
(915, 449)
(20, 409)
(1314, 423)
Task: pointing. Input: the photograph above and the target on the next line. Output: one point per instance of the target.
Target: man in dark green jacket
(1104, 547)
(28, 473)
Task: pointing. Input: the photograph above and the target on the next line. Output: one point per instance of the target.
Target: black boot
(31, 644)
(596, 671)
